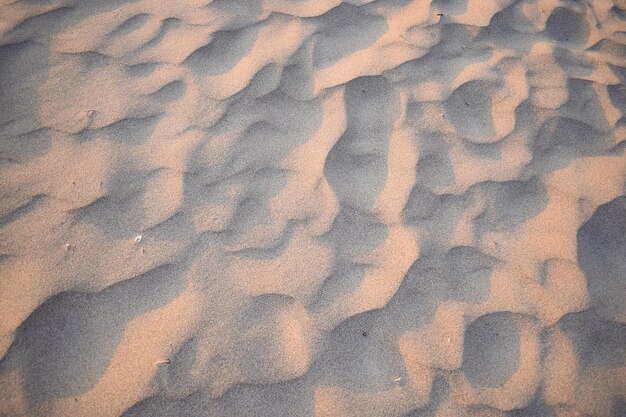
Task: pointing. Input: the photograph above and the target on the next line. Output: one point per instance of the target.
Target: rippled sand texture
(313, 208)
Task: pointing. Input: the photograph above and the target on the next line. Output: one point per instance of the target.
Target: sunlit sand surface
(313, 208)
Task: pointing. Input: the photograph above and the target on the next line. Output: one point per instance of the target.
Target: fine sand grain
(322, 208)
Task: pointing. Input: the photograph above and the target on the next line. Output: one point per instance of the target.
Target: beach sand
(315, 208)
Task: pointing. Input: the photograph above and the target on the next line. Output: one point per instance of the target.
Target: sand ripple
(312, 208)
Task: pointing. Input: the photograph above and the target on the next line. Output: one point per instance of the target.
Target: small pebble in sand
(138, 239)
(91, 116)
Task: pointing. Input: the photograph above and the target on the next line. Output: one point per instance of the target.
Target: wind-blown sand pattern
(313, 208)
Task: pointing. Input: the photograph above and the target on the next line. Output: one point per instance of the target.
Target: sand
(313, 208)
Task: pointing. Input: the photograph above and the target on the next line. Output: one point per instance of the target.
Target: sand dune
(313, 208)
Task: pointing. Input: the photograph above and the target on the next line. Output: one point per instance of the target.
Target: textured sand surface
(313, 208)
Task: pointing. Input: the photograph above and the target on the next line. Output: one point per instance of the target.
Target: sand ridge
(313, 208)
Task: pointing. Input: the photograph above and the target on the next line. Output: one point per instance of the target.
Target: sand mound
(313, 208)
